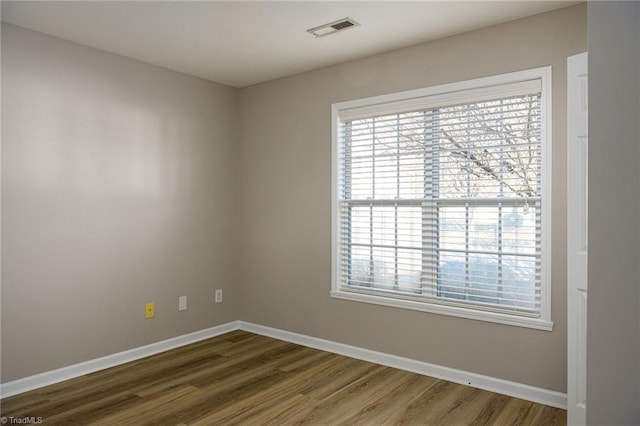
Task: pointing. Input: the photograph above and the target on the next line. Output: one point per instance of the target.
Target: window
(441, 199)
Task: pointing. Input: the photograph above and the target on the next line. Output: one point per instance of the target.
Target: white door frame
(577, 245)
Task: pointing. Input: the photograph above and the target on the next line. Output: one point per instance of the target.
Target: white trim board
(76, 370)
(505, 387)
(517, 390)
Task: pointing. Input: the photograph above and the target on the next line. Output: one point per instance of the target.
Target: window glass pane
(452, 274)
(360, 225)
(473, 277)
(361, 183)
(453, 174)
(412, 176)
(410, 226)
(452, 228)
(519, 230)
(360, 267)
(486, 175)
(386, 176)
(490, 149)
(386, 161)
(384, 268)
(521, 170)
(519, 276)
(361, 160)
(484, 232)
(384, 225)
(484, 285)
(413, 144)
(409, 270)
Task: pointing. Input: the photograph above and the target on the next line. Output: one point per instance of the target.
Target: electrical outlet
(182, 303)
(150, 310)
(218, 296)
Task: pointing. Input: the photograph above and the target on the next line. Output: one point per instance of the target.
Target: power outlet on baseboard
(218, 296)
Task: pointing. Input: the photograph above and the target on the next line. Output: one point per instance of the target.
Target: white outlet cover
(218, 296)
(182, 303)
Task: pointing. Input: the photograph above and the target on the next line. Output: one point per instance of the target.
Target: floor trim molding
(65, 373)
(506, 387)
(517, 390)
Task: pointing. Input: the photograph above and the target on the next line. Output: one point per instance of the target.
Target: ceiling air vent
(333, 27)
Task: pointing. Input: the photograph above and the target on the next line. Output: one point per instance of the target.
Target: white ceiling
(240, 43)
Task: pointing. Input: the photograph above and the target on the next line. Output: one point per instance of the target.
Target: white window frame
(405, 100)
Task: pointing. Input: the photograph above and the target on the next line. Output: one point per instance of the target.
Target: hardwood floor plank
(200, 375)
(240, 378)
(49, 407)
(313, 356)
(151, 408)
(248, 345)
(488, 414)
(515, 412)
(277, 414)
(94, 411)
(231, 374)
(212, 406)
(272, 412)
(336, 376)
(237, 336)
(22, 402)
(238, 382)
(389, 408)
(429, 404)
(463, 410)
(277, 394)
(548, 416)
(338, 407)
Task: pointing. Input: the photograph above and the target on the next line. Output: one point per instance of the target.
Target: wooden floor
(247, 379)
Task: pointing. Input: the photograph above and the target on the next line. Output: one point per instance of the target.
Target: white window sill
(495, 317)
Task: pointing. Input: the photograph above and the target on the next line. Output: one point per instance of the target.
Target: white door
(577, 191)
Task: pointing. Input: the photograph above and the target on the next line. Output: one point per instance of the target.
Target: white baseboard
(506, 387)
(65, 373)
(517, 390)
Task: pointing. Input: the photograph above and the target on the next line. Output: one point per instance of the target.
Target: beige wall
(285, 202)
(118, 188)
(613, 322)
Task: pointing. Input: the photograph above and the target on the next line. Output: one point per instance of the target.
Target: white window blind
(440, 199)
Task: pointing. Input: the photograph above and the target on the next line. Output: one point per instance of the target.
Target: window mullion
(466, 208)
(347, 196)
(467, 272)
(396, 285)
(430, 240)
(373, 197)
(500, 255)
(501, 135)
